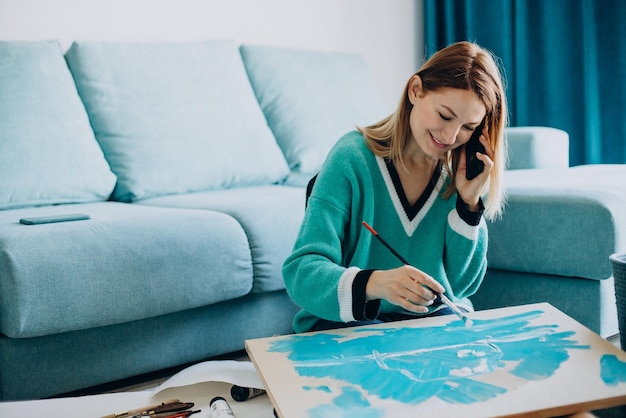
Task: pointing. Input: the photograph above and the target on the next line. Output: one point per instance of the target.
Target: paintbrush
(444, 298)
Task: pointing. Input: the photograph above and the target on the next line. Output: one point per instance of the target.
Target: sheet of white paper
(240, 373)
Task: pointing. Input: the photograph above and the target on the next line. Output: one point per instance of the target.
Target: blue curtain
(564, 62)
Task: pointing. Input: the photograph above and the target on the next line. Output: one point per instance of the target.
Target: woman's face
(442, 120)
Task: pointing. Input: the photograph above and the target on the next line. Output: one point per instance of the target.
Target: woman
(406, 177)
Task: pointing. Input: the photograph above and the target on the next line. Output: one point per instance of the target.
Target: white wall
(386, 32)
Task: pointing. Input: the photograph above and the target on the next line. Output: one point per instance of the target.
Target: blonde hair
(466, 66)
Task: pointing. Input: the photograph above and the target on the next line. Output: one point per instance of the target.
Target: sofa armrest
(537, 147)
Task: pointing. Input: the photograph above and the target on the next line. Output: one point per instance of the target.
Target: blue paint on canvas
(612, 369)
(350, 404)
(450, 362)
(323, 388)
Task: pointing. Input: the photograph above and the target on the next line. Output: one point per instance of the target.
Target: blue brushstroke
(411, 365)
(323, 388)
(350, 404)
(612, 369)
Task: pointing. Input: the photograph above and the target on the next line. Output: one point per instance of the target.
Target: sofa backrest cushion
(311, 98)
(48, 153)
(175, 117)
(537, 147)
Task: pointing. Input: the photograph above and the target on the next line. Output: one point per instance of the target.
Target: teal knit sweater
(327, 272)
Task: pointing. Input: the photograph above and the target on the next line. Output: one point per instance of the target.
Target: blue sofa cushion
(311, 99)
(128, 262)
(175, 117)
(537, 147)
(563, 222)
(271, 227)
(48, 153)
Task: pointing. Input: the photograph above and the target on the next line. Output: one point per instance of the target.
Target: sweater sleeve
(317, 276)
(465, 257)
(362, 309)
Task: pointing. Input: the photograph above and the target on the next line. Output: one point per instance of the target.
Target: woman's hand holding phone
(477, 167)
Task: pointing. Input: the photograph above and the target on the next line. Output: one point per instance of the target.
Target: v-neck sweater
(334, 255)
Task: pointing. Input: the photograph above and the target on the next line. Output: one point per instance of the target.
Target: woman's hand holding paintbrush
(407, 286)
(404, 286)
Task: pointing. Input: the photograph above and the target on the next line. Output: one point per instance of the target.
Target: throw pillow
(175, 117)
(48, 153)
(311, 98)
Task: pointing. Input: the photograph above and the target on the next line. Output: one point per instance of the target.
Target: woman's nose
(450, 134)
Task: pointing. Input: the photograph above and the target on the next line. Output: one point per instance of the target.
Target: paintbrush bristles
(451, 305)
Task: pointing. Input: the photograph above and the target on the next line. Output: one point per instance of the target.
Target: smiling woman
(405, 176)
(462, 78)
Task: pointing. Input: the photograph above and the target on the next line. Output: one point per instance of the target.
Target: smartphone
(473, 165)
(36, 220)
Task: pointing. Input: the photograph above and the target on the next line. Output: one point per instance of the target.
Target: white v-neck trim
(409, 225)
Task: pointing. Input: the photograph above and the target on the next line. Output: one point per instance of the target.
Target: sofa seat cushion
(270, 215)
(126, 263)
(175, 117)
(562, 222)
(48, 152)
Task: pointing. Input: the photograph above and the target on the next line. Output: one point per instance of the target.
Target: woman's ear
(415, 88)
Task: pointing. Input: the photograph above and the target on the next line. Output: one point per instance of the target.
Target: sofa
(191, 160)
(554, 240)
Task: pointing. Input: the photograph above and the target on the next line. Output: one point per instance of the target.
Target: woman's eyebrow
(474, 124)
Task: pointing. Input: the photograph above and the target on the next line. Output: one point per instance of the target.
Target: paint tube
(241, 394)
(220, 408)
